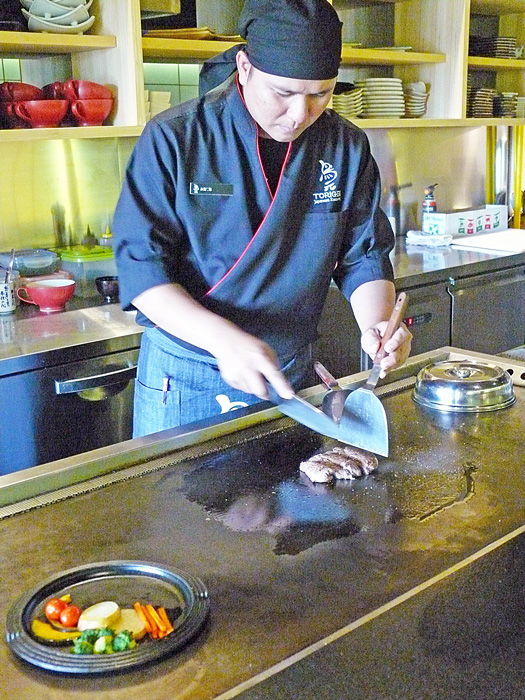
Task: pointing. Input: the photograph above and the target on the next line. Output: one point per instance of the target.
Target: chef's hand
(247, 363)
(397, 348)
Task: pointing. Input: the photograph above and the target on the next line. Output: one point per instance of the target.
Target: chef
(237, 210)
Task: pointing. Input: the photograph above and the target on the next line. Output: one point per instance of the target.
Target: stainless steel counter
(43, 339)
(27, 338)
(296, 572)
(418, 265)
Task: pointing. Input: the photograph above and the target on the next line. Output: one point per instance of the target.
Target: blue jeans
(175, 386)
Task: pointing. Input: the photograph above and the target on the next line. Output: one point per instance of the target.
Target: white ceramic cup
(7, 298)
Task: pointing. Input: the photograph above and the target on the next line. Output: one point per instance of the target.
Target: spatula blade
(364, 423)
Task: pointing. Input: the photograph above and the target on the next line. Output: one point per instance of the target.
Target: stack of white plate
(349, 104)
(520, 107)
(495, 47)
(58, 16)
(416, 98)
(382, 98)
(505, 104)
(482, 104)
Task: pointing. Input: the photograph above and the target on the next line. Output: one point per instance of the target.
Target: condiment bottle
(429, 206)
(106, 238)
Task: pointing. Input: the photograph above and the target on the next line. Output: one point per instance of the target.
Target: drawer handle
(73, 386)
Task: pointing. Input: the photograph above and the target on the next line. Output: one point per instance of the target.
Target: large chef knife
(306, 414)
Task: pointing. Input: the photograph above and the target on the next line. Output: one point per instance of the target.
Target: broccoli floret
(105, 632)
(123, 641)
(90, 635)
(80, 646)
(104, 645)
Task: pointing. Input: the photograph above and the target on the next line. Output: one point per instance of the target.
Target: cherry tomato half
(69, 616)
(54, 607)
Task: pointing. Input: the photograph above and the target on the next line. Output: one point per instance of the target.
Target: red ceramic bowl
(85, 90)
(91, 112)
(54, 91)
(16, 92)
(49, 295)
(9, 118)
(42, 113)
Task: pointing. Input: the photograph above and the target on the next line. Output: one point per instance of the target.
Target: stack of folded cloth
(428, 239)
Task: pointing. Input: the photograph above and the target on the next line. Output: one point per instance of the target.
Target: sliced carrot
(154, 629)
(154, 614)
(164, 617)
(140, 612)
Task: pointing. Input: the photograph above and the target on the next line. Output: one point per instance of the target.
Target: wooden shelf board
(425, 123)
(388, 58)
(22, 43)
(494, 64)
(187, 49)
(69, 132)
(362, 3)
(496, 7)
(100, 132)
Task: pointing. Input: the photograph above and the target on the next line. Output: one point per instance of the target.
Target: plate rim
(50, 658)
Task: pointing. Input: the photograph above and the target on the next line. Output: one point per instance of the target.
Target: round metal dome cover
(464, 386)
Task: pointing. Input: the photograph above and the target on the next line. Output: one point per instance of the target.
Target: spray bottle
(429, 206)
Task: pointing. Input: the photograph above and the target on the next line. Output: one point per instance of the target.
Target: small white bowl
(45, 8)
(37, 24)
(65, 3)
(64, 15)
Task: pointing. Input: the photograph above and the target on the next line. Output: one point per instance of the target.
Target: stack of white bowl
(520, 107)
(349, 104)
(382, 98)
(416, 98)
(58, 16)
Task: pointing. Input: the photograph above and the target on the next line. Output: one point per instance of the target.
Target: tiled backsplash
(10, 69)
(181, 79)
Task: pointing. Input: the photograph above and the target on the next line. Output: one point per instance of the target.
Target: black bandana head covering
(298, 39)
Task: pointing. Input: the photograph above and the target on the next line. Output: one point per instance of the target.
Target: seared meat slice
(367, 460)
(340, 462)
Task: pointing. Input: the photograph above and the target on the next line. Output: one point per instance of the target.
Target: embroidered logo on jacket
(328, 177)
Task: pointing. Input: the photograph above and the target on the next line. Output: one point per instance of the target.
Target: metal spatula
(363, 413)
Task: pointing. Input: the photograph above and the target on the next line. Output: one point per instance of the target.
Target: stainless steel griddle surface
(287, 563)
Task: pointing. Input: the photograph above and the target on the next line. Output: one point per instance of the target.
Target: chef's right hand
(247, 363)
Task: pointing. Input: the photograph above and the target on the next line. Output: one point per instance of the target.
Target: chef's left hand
(397, 348)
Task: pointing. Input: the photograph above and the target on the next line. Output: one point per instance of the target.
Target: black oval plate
(124, 582)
